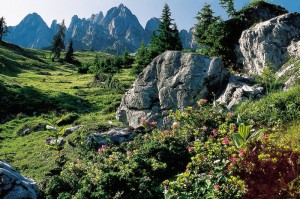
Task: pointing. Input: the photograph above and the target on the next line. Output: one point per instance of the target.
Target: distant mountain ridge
(117, 31)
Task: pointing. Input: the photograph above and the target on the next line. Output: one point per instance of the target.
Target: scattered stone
(239, 88)
(112, 136)
(51, 128)
(15, 186)
(72, 129)
(173, 80)
(44, 73)
(55, 142)
(23, 132)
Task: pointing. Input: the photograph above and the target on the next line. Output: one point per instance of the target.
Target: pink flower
(241, 152)
(202, 101)
(225, 140)
(191, 148)
(217, 187)
(265, 137)
(153, 123)
(233, 159)
(129, 154)
(102, 149)
(215, 131)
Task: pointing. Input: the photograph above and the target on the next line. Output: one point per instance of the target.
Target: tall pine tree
(204, 18)
(70, 53)
(228, 5)
(58, 43)
(3, 28)
(168, 35)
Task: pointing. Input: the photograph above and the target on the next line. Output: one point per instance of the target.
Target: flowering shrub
(209, 174)
(267, 169)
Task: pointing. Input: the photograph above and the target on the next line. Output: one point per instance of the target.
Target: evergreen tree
(141, 59)
(228, 5)
(58, 43)
(127, 60)
(176, 39)
(204, 18)
(168, 35)
(70, 53)
(3, 28)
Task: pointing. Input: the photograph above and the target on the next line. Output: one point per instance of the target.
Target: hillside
(35, 90)
(191, 124)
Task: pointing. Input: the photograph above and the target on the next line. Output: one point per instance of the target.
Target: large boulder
(15, 186)
(270, 43)
(240, 87)
(173, 80)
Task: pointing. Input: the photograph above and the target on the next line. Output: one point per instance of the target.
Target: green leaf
(238, 140)
(244, 131)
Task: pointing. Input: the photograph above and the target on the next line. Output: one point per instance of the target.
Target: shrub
(267, 169)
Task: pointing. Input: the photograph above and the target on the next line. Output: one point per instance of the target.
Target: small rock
(48, 127)
(72, 129)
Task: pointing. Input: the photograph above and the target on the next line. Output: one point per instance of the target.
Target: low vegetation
(208, 151)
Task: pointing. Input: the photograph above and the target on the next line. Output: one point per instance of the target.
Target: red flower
(215, 131)
(202, 101)
(217, 187)
(241, 152)
(191, 148)
(225, 140)
(233, 159)
(265, 137)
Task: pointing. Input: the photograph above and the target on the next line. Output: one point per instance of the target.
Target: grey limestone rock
(272, 42)
(112, 136)
(240, 87)
(173, 80)
(15, 186)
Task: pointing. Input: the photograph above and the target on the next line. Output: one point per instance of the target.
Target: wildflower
(217, 187)
(102, 149)
(215, 131)
(143, 121)
(225, 140)
(129, 154)
(153, 123)
(233, 159)
(191, 148)
(202, 102)
(211, 137)
(175, 125)
(205, 128)
(241, 152)
(265, 137)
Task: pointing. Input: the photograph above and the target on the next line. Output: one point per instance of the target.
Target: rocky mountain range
(117, 31)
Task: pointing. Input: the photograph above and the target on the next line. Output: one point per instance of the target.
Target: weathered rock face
(15, 186)
(173, 80)
(271, 42)
(240, 87)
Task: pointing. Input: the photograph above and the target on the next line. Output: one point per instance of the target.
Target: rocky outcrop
(272, 42)
(15, 186)
(173, 80)
(240, 87)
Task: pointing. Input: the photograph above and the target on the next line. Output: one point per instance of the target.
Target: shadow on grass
(29, 100)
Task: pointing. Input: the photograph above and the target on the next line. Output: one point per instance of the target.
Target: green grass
(28, 96)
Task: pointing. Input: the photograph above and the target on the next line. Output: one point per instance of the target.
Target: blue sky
(183, 11)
